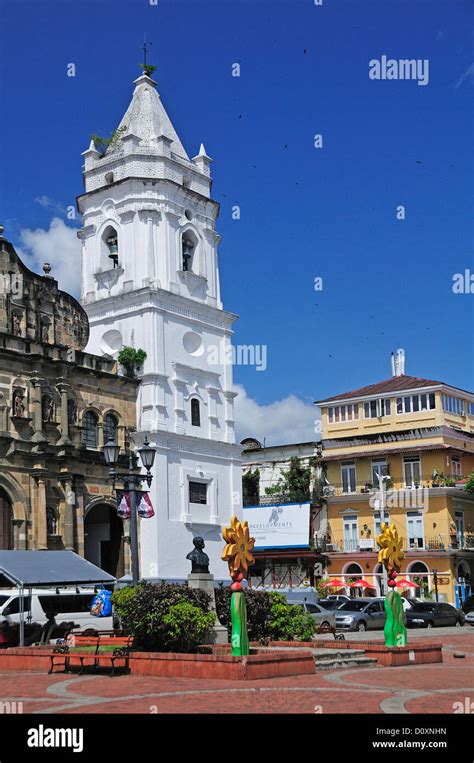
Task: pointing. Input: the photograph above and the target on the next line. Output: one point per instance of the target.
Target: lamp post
(381, 478)
(131, 480)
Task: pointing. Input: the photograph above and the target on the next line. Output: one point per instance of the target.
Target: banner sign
(144, 505)
(283, 526)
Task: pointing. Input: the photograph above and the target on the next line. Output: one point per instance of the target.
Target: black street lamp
(131, 480)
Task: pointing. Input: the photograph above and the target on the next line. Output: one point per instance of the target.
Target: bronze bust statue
(198, 558)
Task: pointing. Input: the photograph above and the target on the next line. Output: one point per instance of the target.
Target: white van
(67, 604)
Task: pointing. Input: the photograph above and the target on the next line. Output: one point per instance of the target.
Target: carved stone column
(39, 512)
(100, 432)
(79, 512)
(36, 412)
(63, 390)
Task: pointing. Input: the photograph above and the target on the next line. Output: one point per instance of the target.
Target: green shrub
(131, 360)
(258, 605)
(469, 486)
(143, 607)
(186, 625)
(269, 616)
(289, 622)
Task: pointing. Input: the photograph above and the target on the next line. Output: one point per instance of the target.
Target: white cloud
(60, 247)
(290, 420)
(47, 203)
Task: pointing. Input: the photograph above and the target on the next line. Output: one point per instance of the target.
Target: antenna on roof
(392, 359)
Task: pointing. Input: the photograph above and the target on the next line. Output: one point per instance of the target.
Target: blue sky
(305, 212)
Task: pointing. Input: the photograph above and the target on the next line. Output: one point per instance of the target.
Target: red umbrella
(334, 584)
(405, 583)
(361, 584)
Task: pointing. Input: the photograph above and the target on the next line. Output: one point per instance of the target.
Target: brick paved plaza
(412, 689)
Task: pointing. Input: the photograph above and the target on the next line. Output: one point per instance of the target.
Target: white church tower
(150, 280)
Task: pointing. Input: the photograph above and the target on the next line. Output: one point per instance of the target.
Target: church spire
(146, 117)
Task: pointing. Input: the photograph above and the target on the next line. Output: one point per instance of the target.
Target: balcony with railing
(424, 482)
(462, 541)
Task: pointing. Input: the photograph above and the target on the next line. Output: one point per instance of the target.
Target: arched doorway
(6, 522)
(419, 574)
(462, 583)
(353, 572)
(103, 539)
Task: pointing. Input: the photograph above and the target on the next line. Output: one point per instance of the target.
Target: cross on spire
(145, 49)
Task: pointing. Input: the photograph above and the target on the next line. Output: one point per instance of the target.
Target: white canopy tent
(28, 569)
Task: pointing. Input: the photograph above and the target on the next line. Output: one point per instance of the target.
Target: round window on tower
(188, 214)
(193, 343)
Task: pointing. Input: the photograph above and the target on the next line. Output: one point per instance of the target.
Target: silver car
(361, 614)
(469, 618)
(320, 615)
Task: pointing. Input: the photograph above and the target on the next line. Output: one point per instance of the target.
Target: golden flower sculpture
(390, 554)
(239, 546)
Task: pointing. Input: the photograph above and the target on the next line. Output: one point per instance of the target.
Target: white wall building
(150, 280)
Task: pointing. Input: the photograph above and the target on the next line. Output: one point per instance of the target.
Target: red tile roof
(395, 384)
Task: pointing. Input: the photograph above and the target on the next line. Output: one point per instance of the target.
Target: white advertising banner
(285, 526)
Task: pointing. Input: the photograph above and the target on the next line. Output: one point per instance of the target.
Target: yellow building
(419, 434)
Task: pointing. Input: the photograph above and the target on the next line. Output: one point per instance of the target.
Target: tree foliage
(294, 483)
(251, 488)
(469, 486)
(131, 360)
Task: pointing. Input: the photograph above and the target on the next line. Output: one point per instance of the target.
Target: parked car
(407, 603)
(468, 605)
(469, 618)
(66, 604)
(339, 597)
(296, 595)
(427, 614)
(331, 604)
(320, 615)
(361, 614)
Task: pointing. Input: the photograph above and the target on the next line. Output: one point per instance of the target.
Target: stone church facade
(58, 404)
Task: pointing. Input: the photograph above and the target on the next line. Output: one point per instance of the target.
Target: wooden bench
(64, 656)
(330, 629)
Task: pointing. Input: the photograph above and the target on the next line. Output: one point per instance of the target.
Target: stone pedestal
(205, 581)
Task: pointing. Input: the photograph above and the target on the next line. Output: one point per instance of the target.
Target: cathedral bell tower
(150, 280)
